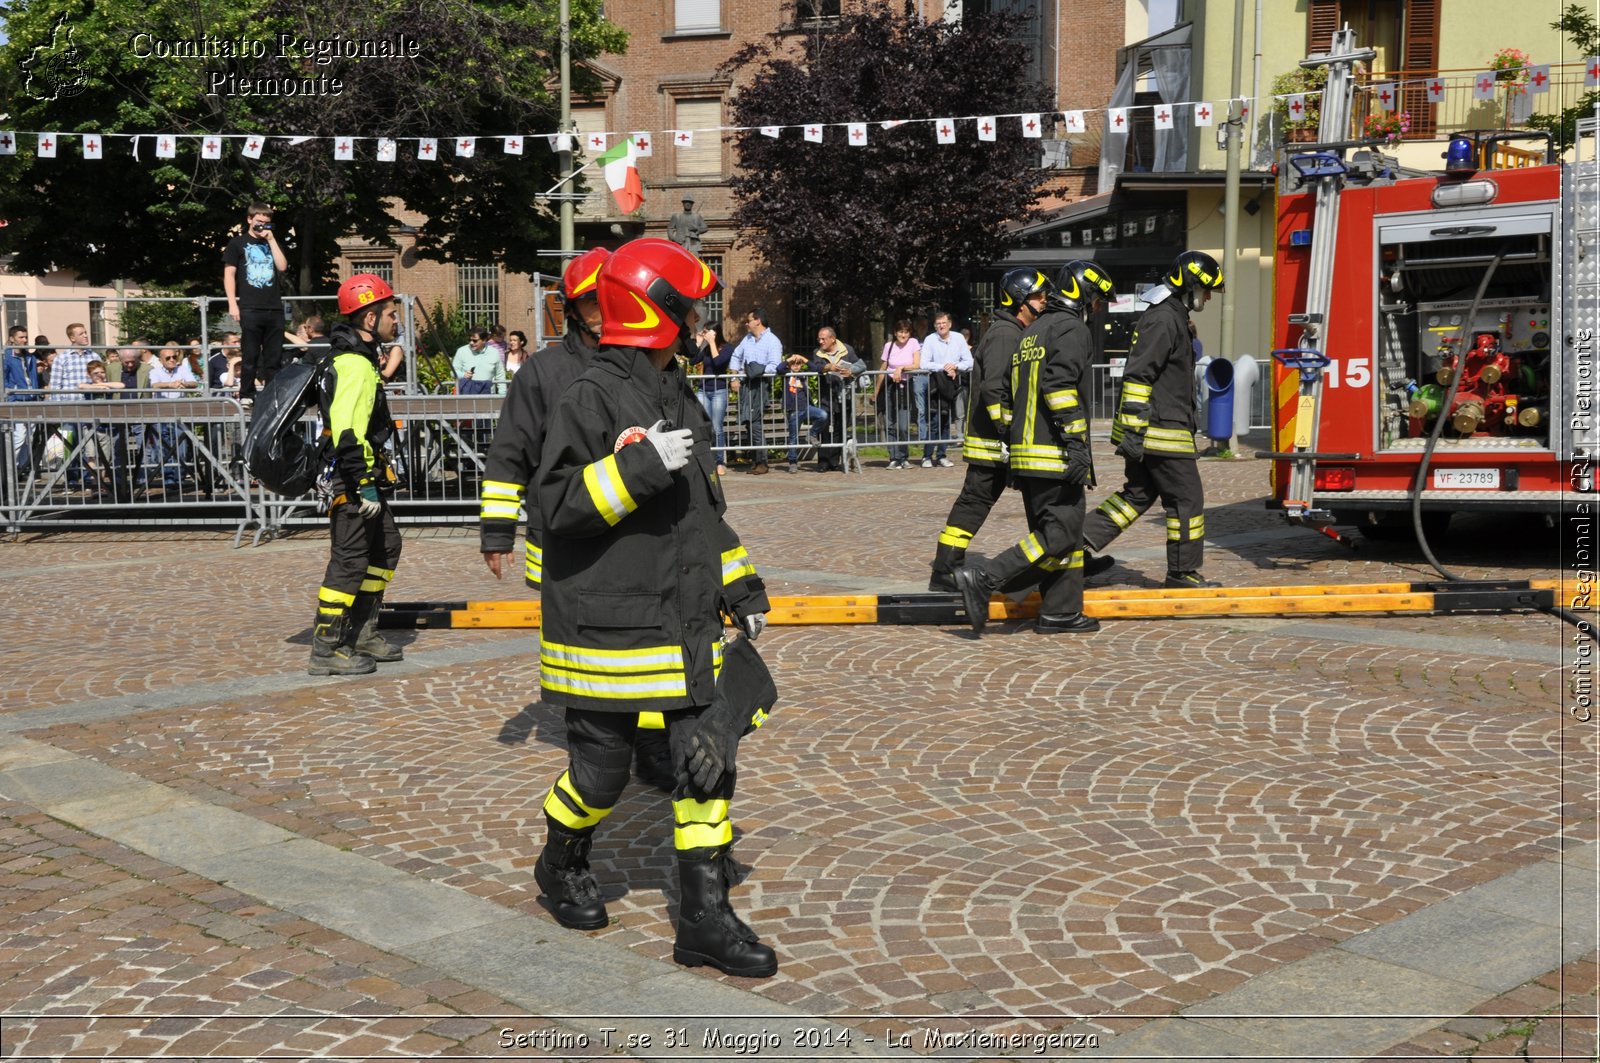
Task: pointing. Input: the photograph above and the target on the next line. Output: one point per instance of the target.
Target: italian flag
(622, 176)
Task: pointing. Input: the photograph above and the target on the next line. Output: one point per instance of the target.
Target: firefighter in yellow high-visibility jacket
(639, 570)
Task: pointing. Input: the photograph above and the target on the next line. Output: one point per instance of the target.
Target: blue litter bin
(1219, 400)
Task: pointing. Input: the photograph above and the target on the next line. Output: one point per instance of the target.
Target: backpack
(275, 448)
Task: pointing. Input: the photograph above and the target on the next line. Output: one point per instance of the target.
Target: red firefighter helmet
(648, 287)
(582, 274)
(361, 291)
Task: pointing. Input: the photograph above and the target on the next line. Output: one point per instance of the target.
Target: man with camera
(255, 304)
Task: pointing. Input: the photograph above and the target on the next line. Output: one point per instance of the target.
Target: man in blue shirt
(21, 374)
(755, 361)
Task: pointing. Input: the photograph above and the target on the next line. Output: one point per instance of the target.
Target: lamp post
(568, 240)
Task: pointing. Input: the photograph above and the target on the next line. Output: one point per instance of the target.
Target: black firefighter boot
(563, 874)
(332, 652)
(946, 559)
(708, 931)
(364, 614)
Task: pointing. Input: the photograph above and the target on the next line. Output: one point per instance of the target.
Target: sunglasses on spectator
(172, 357)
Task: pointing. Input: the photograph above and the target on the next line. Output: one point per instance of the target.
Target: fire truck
(1437, 334)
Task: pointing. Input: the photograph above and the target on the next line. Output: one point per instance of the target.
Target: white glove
(673, 446)
(368, 510)
(754, 625)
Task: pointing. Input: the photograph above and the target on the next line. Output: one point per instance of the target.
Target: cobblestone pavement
(1015, 834)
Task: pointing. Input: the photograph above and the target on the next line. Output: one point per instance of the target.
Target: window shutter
(704, 157)
(697, 16)
(1419, 52)
(597, 201)
(1322, 22)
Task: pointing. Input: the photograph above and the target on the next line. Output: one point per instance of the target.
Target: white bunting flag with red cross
(387, 149)
(683, 138)
(211, 148)
(251, 147)
(1591, 72)
(1032, 125)
(47, 145)
(166, 146)
(644, 144)
(1383, 95)
(92, 146)
(1117, 119)
(1163, 116)
(343, 149)
(986, 128)
(770, 131)
(513, 145)
(945, 130)
(1204, 114)
(1296, 106)
(1435, 90)
(1074, 121)
(466, 147)
(428, 149)
(1539, 78)
(1483, 85)
(855, 134)
(595, 144)
(8, 142)
(813, 133)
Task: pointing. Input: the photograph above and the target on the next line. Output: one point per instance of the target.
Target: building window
(478, 291)
(714, 302)
(97, 322)
(16, 313)
(703, 158)
(596, 202)
(697, 16)
(810, 12)
(382, 268)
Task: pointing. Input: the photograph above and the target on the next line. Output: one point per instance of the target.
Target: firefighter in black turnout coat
(1050, 456)
(1156, 422)
(639, 568)
(512, 464)
(1022, 300)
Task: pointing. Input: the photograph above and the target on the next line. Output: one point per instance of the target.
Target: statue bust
(686, 227)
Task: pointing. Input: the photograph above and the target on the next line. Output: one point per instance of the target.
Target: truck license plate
(1458, 479)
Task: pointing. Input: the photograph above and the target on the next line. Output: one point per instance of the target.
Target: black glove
(1132, 445)
(1080, 463)
(744, 695)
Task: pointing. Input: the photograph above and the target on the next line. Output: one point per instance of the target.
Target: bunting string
(1383, 95)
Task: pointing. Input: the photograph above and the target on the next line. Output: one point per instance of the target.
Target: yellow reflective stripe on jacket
(607, 492)
(1116, 507)
(983, 449)
(736, 564)
(1169, 440)
(533, 563)
(701, 824)
(646, 672)
(1031, 457)
(997, 413)
(1064, 399)
(500, 501)
(1133, 391)
(1076, 427)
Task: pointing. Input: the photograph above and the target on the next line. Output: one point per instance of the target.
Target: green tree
(82, 66)
(895, 224)
(1581, 28)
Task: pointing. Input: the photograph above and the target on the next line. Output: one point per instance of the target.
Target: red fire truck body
(1411, 255)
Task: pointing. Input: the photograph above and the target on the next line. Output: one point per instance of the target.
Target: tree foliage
(81, 66)
(892, 225)
(1581, 28)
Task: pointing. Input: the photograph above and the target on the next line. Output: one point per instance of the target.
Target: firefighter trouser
(599, 756)
(1054, 545)
(1177, 482)
(979, 492)
(362, 560)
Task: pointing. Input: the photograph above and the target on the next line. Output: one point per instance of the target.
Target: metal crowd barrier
(135, 459)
